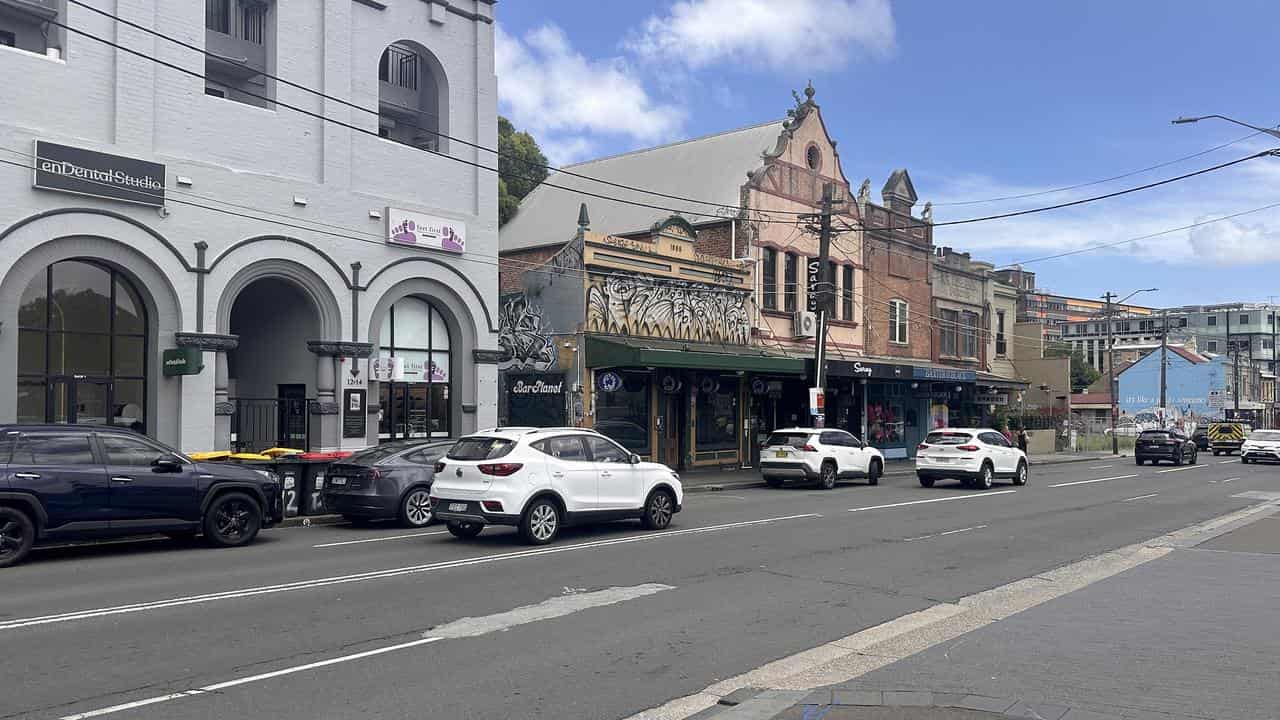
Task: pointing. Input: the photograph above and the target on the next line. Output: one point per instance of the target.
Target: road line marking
(381, 539)
(1101, 467)
(377, 574)
(934, 500)
(1140, 497)
(1189, 467)
(1224, 462)
(953, 532)
(1086, 482)
(244, 681)
(1224, 482)
(463, 628)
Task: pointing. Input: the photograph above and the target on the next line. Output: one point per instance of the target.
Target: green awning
(645, 352)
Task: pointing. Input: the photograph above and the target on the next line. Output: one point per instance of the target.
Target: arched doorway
(82, 347)
(271, 374)
(415, 348)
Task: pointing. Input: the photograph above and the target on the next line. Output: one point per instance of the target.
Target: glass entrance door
(78, 400)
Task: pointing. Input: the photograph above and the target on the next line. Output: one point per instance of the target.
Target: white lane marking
(934, 500)
(1101, 467)
(377, 574)
(949, 532)
(1086, 482)
(1140, 497)
(246, 680)
(464, 628)
(381, 539)
(1189, 467)
(1224, 482)
(1224, 462)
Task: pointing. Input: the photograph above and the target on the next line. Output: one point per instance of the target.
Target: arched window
(82, 348)
(416, 402)
(413, 105)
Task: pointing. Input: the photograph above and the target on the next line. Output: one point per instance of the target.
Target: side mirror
(165, 465)
(634, 459)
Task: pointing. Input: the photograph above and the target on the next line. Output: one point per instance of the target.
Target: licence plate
(457, 507)
(780, 453)
(337, 481)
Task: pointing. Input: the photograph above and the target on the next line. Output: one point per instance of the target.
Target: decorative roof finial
(584, 220)
(927, 213)
(809, 92)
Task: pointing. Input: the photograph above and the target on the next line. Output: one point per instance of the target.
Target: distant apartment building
(1054, 312)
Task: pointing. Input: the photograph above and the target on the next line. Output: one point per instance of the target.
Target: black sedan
(390, 481)
(1171, 445)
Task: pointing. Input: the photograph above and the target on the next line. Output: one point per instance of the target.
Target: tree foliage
(521, 166)
(1082, 373)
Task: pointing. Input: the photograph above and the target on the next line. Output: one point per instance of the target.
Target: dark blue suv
(64, 482)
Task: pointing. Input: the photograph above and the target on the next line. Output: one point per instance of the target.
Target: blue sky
(977, 100)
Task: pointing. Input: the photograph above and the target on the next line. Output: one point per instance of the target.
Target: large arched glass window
(82, 348)
(416, 402)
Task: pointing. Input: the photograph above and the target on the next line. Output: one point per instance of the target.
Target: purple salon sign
(405, 227)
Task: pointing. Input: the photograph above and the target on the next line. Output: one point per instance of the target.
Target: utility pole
(822, 292)
(1111, 376)
(1236, 380)
(1164, 363)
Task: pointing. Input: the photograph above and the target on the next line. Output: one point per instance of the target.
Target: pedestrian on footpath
(1022, 440)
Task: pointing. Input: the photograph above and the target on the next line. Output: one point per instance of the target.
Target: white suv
(540, 480)
(974, 456)
(817, 454)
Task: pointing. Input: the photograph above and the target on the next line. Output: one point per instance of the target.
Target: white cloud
(564, 98)
(1234, 243)
(807, 34)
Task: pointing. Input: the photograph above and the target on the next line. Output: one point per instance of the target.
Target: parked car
(74, 482)
(1227, 437)
(975, 456)
(1171, 445)
(1261, 446)
(541, 480)
(389, 482)
(824, 456)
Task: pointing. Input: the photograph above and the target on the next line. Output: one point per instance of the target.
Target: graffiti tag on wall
(523, 335)
(673, 309)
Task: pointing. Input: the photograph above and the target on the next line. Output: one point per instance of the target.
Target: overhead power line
(481, 166)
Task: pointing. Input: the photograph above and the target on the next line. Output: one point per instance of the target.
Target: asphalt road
(337, 622)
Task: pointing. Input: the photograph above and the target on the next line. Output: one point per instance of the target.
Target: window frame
(769, 277)
(790, 282)
(846, 292)
(899, 312)
(543, 446)
(96, 458)
(1002, 343)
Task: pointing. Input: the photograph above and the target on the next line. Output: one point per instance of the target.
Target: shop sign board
(991, 398)
(386, 369)
(405, 227)
(87, 172)
(609, 381)
(354, 417)
(817, 401)
(932, 373)
(182, 361)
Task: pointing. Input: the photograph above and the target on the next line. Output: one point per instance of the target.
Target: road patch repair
(464, 628)
(787, 685)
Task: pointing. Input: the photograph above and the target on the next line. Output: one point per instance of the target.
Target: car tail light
(439, 467)
(373, 474)
(969, 448)
(809, 448)
(500, 469)
(922, 446)
(492, 505)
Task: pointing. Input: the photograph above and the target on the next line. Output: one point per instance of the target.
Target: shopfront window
(717, 412)
(623, 413)
(416, 403)
(82, 348)
(887, 415)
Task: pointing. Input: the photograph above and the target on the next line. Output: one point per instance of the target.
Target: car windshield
(1154, 435)
(948, 438)
(480, 448)
(795, 440)
(1265, 435)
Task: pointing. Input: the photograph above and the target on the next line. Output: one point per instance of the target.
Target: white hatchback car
(540, 480)
(824, 455)
(975, 456)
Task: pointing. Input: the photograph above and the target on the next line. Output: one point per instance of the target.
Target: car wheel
(1021, 477)
(658, 510)
(17, 533)
(926, 482)
(541, 522)
(1140, 461)
(1244, 460)
(463, 529)
(415, 509)
(773, 482)
(827, 478)
(1216, 453)
(1177, 459)
(986, 478)
(874, 472)
(232, 520)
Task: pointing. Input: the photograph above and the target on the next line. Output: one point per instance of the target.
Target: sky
(978, 100)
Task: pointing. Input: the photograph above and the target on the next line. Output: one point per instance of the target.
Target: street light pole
(1164, 363)
(1187, 120)
(1111, 364)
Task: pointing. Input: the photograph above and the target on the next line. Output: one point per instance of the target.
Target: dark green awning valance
(645, 352)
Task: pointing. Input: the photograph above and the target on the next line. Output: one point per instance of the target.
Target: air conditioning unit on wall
(804, 324)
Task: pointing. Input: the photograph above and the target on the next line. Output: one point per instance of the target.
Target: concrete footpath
(1190, 634)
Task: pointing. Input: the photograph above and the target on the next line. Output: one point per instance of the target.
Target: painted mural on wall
(523, 335)
(672, 309)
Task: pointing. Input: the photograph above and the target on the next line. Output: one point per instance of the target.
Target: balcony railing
(399, 68)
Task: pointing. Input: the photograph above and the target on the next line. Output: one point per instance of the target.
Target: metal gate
(270, 422)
